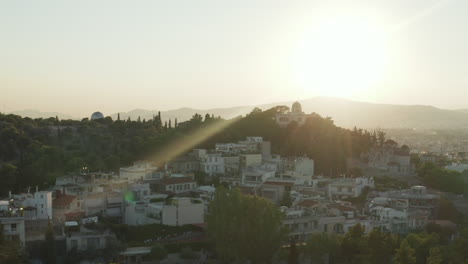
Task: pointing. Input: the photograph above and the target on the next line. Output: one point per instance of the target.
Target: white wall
(184, 213)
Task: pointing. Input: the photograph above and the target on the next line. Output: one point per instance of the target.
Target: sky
(77, 57)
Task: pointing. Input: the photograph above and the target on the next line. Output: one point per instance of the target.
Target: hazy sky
(80, 56)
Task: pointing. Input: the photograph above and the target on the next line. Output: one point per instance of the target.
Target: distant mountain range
(345, 113)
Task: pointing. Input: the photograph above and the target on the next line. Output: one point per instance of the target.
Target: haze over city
(78, 57)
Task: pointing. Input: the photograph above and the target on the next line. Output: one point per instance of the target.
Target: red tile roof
(63, 200)
(74, 215)
(177, 180)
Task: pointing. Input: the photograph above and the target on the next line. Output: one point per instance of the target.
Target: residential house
(178, 184)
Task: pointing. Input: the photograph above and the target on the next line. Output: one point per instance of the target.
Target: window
(13, 227)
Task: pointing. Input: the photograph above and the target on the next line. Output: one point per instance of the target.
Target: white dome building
(97, 115)
(295, 115)
(296, 108)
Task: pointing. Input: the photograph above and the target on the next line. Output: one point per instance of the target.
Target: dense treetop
(36, 151)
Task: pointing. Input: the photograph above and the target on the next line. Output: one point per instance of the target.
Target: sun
(341, 56)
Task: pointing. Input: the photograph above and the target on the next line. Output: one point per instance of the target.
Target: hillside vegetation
(36, 151)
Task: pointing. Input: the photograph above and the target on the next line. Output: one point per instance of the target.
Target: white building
(246, 160)
(257, 174)
(349, 187)
(295, 115)
(178, 184)
(141, 191)
(88, 239)
(37, 205)
(183, 211)
(299, 168)
(140, 170)
(43, 202)
(179, 211)
(105, 203)
(212, 164)
(12, 221)
(13, 228)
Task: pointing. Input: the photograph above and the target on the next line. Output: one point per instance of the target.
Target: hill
(345, 113)
(37, 151)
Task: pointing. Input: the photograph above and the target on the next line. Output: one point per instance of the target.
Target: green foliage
(8, 174)
(158, 252)
(321, 246)
(461, 245)
(383, 183)
(442, 179)
(136, 235)
(448, 211)
(435, 256)
(422, 243)
(286, 200)
(384, 248)
(381, 246)
(354, 246)
(188, 253)
(318, 138)
(244, 227)
(405, 254)
(201, 177)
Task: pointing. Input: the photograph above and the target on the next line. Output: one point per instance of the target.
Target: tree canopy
(244, 227)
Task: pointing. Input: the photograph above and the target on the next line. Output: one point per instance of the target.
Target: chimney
(9, 194)
(37, 188)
